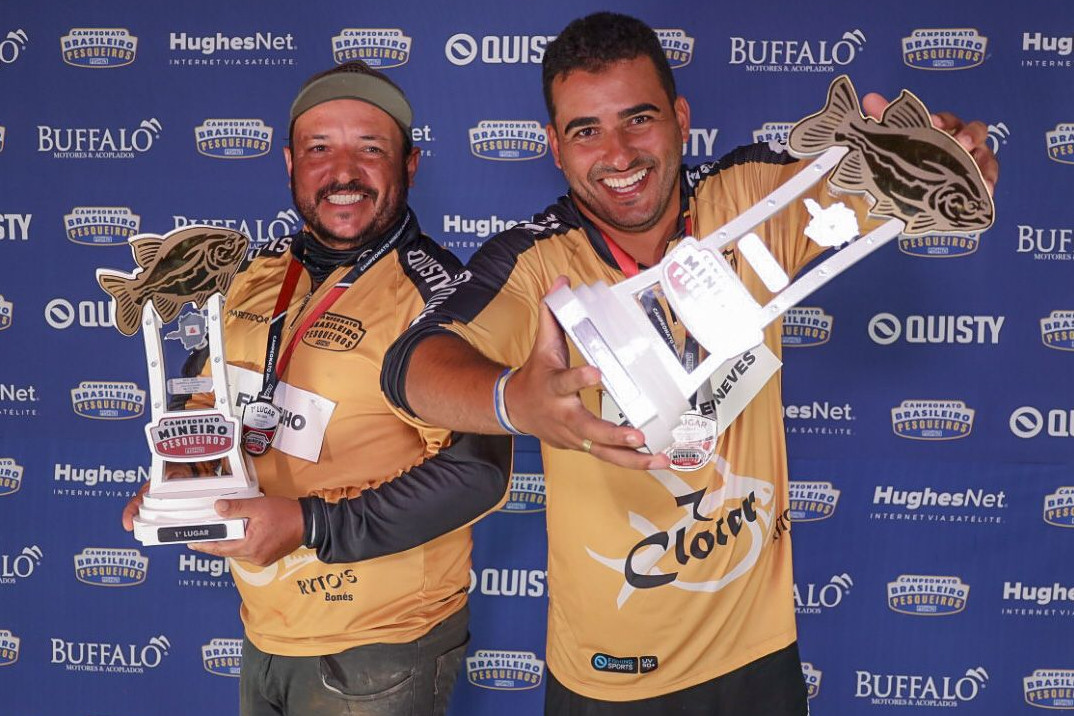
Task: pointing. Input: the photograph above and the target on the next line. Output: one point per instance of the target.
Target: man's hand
(542, 400)
(131, 510)
(973, 136)
(273, 529)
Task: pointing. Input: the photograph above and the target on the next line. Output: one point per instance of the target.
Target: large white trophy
(196, 458)
(916, 176)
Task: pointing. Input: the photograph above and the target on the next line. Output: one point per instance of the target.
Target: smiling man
(670, 586)
(355, 566)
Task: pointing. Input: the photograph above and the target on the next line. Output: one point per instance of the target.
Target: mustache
(351, 187)
(599, 171)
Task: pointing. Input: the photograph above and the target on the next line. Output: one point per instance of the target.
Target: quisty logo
(887, 328)
(509, 582)
(1028, 422)
(12, 45)
(61, 314)
(15, 227)
(461, 49)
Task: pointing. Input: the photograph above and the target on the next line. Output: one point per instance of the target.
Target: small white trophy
(194, 265)
(917, 176)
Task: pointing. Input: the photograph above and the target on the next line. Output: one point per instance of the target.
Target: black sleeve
(449, 490)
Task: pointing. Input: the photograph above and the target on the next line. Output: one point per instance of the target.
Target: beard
(384, 216)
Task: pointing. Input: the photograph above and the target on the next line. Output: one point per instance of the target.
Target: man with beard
(354, 569)
(669, 580)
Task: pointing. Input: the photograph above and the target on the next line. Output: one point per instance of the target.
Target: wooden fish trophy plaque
(196, 457)
(915, 176)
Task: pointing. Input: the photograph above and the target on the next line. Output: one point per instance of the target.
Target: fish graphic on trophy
(910, 169)
(188, 266)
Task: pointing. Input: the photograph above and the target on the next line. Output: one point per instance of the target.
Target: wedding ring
(587, 445)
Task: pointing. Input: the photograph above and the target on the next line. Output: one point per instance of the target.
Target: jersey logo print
(753, 513)
(264, 577)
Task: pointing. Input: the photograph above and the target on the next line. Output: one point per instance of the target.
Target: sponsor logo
(504, 670)
(1050, 689)
(997, 136)
(939, 246)
(233, 138)
(503, 140)
(7, 313)
(99, 47)
(12, 45)
(272, 235)
(773, 132)
(12, 393)
(21, 565)
(481, 228)
(815, 599)
(806, 418)
(920, 690)
(701, 142)
(1028, 422)
(10, 476)
(624, 664)
(334, 332)
(262, 577)
(15, 227)
(222, 657)
(944, 49)
(812, 677)
(1056, 47)
(99, 475)
(98, 143)
(382, 48)
(101, 225)
(61, 314)
(886, 328)
(1041, 595)
(237, 50)
(110, 658)
(187, 436)
(678, 46)
(9, 648)
(333, 585)
(204, 571)
(509, 582)
(797, 55)
(437, 279)
(1057, 330)
(804, 327)
(924, 595)
(462, 49)
(1060, 143)
(812, 501)
(1058, 507)
(526, 494)
(1046, 244)
(107, 400)
(932, 419)
(929, 505)
(110, 567)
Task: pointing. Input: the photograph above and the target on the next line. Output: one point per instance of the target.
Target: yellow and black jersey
(657, 581)
(386, 501)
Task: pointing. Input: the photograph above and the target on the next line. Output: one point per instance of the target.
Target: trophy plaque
(196, 457)
(915, 176)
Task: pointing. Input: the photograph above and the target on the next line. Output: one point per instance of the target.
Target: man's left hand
(273, 529)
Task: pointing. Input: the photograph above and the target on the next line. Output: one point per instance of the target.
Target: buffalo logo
(1057, 330)
(770, 132)
(502, 140)
(812, 678)
(108, 400)
(186, 436)
(923, 595)
(814, 599)
(382, 48)
(812, 501)
(7, 312)
(932, 419)
(940, 246)
(527, 493)
(333, 332)
(9, 648)
(110, 567)
(805, 327)
(1050, 689)
(12, 46)
(1059, 507)
(98, 47)
(1060, 143)
(233, 138)
(911, 170)
(222, 657)
(677, 45)
(101, 225)
(184, 266)
(944, 49)
(504, 670)
(10, 476)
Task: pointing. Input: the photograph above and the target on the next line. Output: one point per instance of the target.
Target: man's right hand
(542, 399)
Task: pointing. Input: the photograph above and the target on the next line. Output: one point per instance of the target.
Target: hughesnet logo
(1028, 422)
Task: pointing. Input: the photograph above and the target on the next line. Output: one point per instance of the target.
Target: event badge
(260, 419)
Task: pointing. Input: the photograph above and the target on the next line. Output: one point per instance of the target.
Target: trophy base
(185, 517)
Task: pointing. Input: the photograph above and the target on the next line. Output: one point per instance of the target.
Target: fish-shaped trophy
(196, 458)
(915, 176)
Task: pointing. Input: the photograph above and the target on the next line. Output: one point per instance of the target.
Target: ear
(682, 116)
(412, 165)
(288, 162)
(553, 143)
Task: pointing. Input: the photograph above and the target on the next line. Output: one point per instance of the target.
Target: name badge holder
(647, 380)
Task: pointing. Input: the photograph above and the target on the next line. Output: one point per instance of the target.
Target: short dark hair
(593, 42)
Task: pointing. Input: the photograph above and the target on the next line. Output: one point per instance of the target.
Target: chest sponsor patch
(305, 414)
(333, 332)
